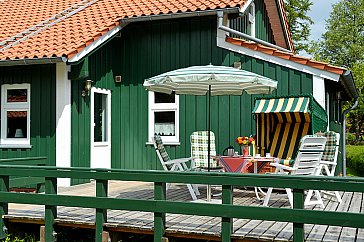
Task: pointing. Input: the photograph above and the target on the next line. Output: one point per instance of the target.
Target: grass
(355, 160)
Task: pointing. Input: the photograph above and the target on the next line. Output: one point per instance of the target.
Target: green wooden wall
(151, 48)
(263, 28)
(42, 79)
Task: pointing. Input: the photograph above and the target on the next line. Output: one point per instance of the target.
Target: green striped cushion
(161, 149)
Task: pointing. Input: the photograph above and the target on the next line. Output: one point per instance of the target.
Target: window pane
(100, 117)
(164, 98)
(17, 124)
(164, 123)
(17, 95)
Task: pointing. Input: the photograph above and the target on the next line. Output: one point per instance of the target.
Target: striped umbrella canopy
(196, 80)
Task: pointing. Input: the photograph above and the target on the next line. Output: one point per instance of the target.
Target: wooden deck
(192, 226)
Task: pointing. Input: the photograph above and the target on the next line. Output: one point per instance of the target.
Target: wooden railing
(160, 206)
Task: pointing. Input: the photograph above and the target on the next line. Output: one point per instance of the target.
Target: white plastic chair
(307, 163)
(175, 165)
(328, 161)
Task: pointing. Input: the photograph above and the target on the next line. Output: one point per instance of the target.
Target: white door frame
(101, 151)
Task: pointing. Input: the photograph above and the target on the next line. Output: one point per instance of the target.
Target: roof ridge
(35, 29)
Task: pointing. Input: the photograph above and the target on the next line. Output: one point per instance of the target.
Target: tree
(299, 22)
(342, 44)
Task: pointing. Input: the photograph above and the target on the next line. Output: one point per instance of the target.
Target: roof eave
(33, 61)
(179, 15)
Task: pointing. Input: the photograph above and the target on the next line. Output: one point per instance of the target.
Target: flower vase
(245, 150)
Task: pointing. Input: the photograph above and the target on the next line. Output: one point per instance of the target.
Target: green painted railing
(160, 206)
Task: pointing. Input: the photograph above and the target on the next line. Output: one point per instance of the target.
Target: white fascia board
(319, 92)
(276, 60)
(95, 44)
(63, 120)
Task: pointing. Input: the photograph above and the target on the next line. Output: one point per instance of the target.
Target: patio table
(243, 164)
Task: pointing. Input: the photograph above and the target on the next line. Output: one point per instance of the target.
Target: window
(15, 114)
(251, 20)
(164, 117)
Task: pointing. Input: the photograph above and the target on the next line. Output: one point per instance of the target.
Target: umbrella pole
(209, 143)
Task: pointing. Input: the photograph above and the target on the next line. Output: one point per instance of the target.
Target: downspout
(344, 133)
(220, 15)
(349, 81)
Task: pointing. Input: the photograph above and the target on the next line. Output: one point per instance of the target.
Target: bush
(355, 158)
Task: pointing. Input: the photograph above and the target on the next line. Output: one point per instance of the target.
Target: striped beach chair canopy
(282, 122)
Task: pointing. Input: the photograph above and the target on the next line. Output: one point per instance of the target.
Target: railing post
(50, 211)
(226, 223)
(159, 218)
(298, 203)
(4, 187)
(101, 214)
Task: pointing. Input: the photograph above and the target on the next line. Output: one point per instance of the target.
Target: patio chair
(307, 163)
(175, 165)
(328, 161)
(199, 150)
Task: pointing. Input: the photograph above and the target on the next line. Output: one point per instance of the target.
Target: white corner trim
(95, 44)
(275, 60)
(63, 120)
(319, 92)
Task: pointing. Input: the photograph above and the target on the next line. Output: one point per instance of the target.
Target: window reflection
(16, 124)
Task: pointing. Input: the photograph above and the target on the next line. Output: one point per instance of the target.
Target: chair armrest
(276, 165)
(178, 161)
(323, 162)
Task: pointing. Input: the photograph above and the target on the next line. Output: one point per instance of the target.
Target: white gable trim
(319, 92)
(95, 44)
(274, 59)
(63, 120)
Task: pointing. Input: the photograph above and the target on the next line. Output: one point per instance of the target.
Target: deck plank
(194, 226)
(333, 232)
(360, 232)
(349, 234)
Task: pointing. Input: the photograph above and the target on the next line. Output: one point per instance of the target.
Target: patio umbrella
(210, 80)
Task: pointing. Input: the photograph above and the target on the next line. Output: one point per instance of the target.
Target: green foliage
(343, 45)
(343, 40)
(22, 238)
(299, 22)
(355, 158)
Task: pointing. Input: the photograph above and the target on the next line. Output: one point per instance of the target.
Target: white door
(100, 128)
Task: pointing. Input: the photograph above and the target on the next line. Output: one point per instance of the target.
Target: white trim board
(63, 120)
(274, 59)
(319, 92)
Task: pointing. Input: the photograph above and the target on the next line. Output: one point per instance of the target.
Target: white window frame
(163, 107)
(14, 106)
(251, 19)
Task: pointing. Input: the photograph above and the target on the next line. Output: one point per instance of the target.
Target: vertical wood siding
(263, 28)
(42, 81)
(151, 48)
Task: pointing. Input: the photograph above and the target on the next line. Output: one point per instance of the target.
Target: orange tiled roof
(286, 56)
(71, 35)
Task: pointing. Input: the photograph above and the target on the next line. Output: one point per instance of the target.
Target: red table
(244, 164)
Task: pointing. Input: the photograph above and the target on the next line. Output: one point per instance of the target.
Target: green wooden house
(72, 76)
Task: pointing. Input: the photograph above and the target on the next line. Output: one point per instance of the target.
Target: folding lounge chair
(306, 163)
(199, 150)
(175, 165)
(329, 158)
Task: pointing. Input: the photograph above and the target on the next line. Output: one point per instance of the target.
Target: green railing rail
(160, 206)
(25, 181)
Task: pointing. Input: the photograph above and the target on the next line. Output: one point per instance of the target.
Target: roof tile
(71, 35)
(285, 55)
